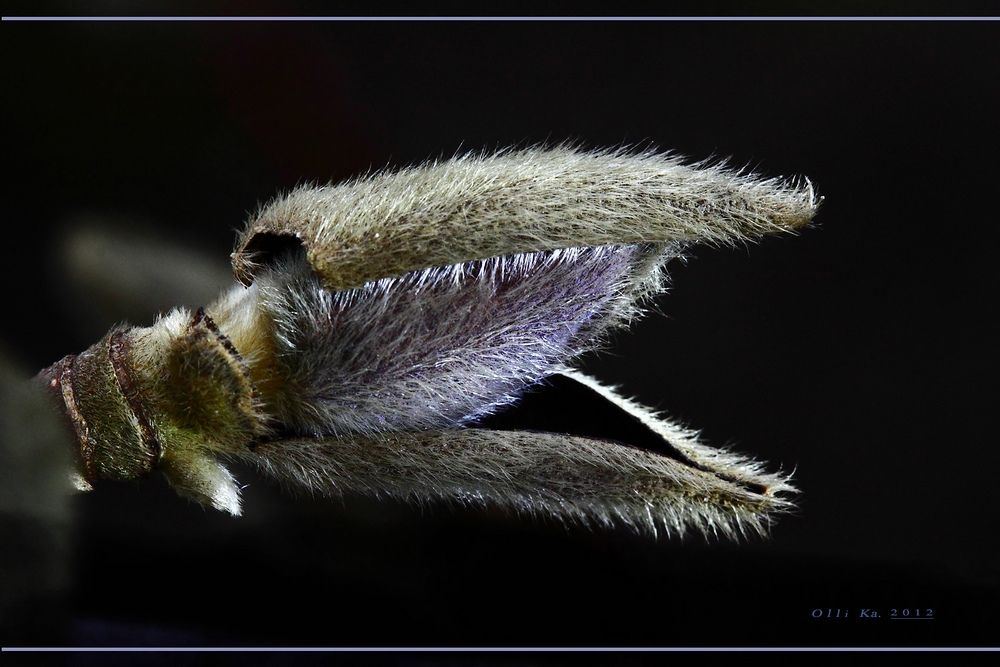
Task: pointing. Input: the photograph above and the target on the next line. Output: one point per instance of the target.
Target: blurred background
(859, 353)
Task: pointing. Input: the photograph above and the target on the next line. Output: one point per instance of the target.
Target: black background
(861, 352)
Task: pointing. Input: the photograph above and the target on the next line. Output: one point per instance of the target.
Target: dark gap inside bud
(261, 251)
(562, 405)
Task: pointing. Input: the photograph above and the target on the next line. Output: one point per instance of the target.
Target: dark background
(860, 353)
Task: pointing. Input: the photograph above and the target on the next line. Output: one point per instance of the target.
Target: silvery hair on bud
(414, 303)
(492, 205)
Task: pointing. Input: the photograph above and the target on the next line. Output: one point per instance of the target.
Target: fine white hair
(379, 321)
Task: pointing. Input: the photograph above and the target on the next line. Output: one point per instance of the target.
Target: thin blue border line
(88, 649)
(505, 18)
(481, 649)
